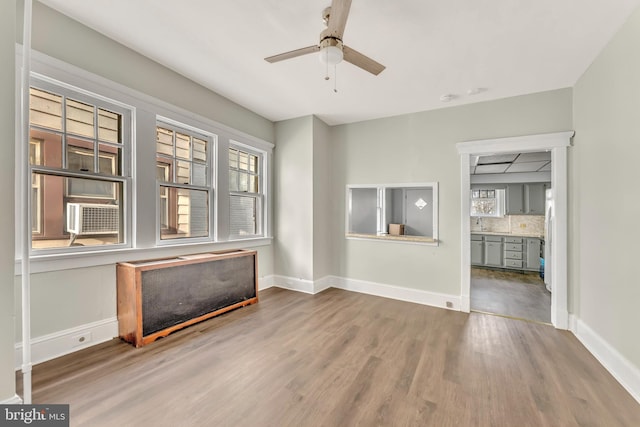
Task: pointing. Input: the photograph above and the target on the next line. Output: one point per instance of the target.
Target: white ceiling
(430, 48)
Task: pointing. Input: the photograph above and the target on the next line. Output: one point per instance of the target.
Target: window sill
(416, 240)
(54, 262)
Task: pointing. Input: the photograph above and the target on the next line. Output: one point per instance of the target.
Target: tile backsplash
(514, 224)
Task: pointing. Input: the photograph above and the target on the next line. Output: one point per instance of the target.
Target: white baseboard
(322, 284)
(58, 344)
(465, 303)
(622, 370)
(294, 284)
(573, 324)
(15, 400)
(372, 288)
(399, 293)
(265, 282)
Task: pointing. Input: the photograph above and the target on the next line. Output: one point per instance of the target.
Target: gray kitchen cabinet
(525, 199)
(477, 251)
(534, 199)
(510, 252)
(533, 254)
(513, 253)
(493, 251)
(515, 199)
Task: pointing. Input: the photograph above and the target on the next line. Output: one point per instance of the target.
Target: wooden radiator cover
(157, 297)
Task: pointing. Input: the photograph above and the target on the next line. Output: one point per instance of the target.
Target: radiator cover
(157, 297)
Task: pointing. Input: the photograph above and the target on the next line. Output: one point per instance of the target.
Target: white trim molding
(323, 284)
(557, 144)
(294, 284)
(59, 343)
(265, 282)
(15, 400)
(433, 299)
(625, 372)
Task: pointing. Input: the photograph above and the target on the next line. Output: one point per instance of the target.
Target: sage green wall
(69, 298)
(421, 147)
(324, 201)
(293, 198)
(605, 182)
(7, 175)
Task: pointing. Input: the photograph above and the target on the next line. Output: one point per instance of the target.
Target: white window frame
(259, 197)
(209, 186)
(139, 167)
(37, 186)
(124, 179)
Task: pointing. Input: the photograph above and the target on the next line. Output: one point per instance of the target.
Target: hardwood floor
(341, 359)
(510, 293)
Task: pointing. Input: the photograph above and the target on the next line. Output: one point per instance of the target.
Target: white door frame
(557, 143)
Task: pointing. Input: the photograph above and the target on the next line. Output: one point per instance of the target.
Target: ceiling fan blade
(362, 61)
(292, 54)
(338, 17)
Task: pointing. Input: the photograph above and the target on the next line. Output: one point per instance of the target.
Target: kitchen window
(487, 202)
(78, 173)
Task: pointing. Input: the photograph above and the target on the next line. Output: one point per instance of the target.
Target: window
(393, 212)
(245, 193)
(184, 177)
(487, 203)
(35, 158)
(78, 179)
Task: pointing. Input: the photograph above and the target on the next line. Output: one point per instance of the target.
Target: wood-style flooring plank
(340, 359)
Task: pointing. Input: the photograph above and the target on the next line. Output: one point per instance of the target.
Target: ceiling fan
(332, 50)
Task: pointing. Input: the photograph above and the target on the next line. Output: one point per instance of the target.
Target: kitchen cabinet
(510, 252)
(513, 252)
(477, 249)
(515, 199)
(533, 254)
(493, 251)
(525, 199)
(534, 199)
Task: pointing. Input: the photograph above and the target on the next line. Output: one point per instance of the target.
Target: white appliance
(91, 218)
(548, 243)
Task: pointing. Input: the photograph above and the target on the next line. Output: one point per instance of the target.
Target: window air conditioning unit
(91, 218)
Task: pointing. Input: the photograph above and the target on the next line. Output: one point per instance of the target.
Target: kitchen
(510, 208)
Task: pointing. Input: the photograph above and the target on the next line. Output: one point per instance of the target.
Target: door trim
(557, 143)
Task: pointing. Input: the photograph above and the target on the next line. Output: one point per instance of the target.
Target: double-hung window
(246, 192)
(183, 173)
(78, 145)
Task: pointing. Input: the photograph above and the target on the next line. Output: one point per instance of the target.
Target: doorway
(557, 144)
(508, 230)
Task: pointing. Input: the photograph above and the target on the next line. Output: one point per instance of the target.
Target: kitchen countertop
(498, 233)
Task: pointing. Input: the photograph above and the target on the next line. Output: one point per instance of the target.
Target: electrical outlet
(449, 304)
(81, 339)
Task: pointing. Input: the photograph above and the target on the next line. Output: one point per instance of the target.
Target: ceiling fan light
(331, 55)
